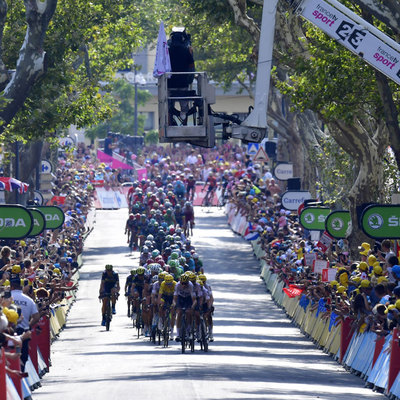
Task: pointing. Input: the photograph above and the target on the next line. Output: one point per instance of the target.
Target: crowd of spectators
(35, 273)
(365, 287)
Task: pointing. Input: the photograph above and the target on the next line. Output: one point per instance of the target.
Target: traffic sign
(261, 155)
(252, 148)
(38, 197)
(46, 167)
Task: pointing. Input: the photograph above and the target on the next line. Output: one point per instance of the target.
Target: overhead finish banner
(39, 222)
(53, 215)
(16, 222)
(313, 218)
(353, 36)
(381, 221)
(338, 224)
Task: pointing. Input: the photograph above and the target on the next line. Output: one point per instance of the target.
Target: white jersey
(27, 305)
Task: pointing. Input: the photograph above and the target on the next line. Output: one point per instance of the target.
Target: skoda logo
(309, 218)
(337, 224)
(375, 221)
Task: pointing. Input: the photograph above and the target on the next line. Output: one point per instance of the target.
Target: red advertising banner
(43, 339)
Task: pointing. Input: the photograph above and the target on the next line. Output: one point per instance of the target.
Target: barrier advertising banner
(292, 200)
(16, 222)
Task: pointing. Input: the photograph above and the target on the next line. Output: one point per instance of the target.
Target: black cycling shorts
(184, 302)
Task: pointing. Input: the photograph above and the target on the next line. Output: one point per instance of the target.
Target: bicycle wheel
(166, 330)
(139, 320)
(203, 336)
(183, 333)
(192, 341)
(108, 314)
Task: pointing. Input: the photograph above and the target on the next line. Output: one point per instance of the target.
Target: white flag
(162, 64)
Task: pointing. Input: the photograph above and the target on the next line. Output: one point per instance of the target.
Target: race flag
(162, 64)
(293, 291)
(251, 233)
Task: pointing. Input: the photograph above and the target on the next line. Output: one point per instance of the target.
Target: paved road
(257, 354)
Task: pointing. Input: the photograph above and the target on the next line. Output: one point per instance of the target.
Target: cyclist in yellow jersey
(166, 297)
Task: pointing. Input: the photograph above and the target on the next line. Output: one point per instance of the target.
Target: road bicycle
(186, 341)
(203, 338)
(208, 198)
(108, 311)
(166, 325)
(138, 323)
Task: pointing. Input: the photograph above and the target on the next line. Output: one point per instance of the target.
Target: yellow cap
(365, 283)
(334, 283)
(341, 289)
(363, 266)
(378, 270)
(16, 269)
(382, 279)
(371, 260)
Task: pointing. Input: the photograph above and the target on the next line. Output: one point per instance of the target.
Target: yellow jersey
(167, 290)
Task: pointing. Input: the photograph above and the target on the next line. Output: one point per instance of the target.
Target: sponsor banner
(328, 274)
(313, 218)
(354, 37)
(381, 221)
(293, 200)
(309, 258)
(325, 241)
(319, 265)
(39, 222)
(284, 171)
(55, 200)
(293, 291)
(53, 215)
(338, 224)
(16, 222)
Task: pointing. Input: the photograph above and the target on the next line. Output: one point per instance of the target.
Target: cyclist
(155, 288)
(179, 189)
(109, 286)
(165, 299)
(208, 307)
(140, 285)
(188, 220)
(131, 230)
(184, 299)
(128, 286)
(212, 187)
(190, 187)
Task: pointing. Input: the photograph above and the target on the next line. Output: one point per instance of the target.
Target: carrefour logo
(375, 221)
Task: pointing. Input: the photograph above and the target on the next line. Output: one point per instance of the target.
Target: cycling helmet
(173, 264)
(168, 278)
(174, 256)
(184, 278)
(133, 271)
(148, 243)
(154, 278)
(131, 216)
(145, 250)
(188, 203)
(192, 277)
(200, 282)
(161, 276)
(186, 254)
(150, 237)
(155, 253)
(160, 190)
(171, 230)
(140, 271)
(154, 267)
(109, 267)
(178, 231)
(202, 278)
(195, 256)
(152, 211)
